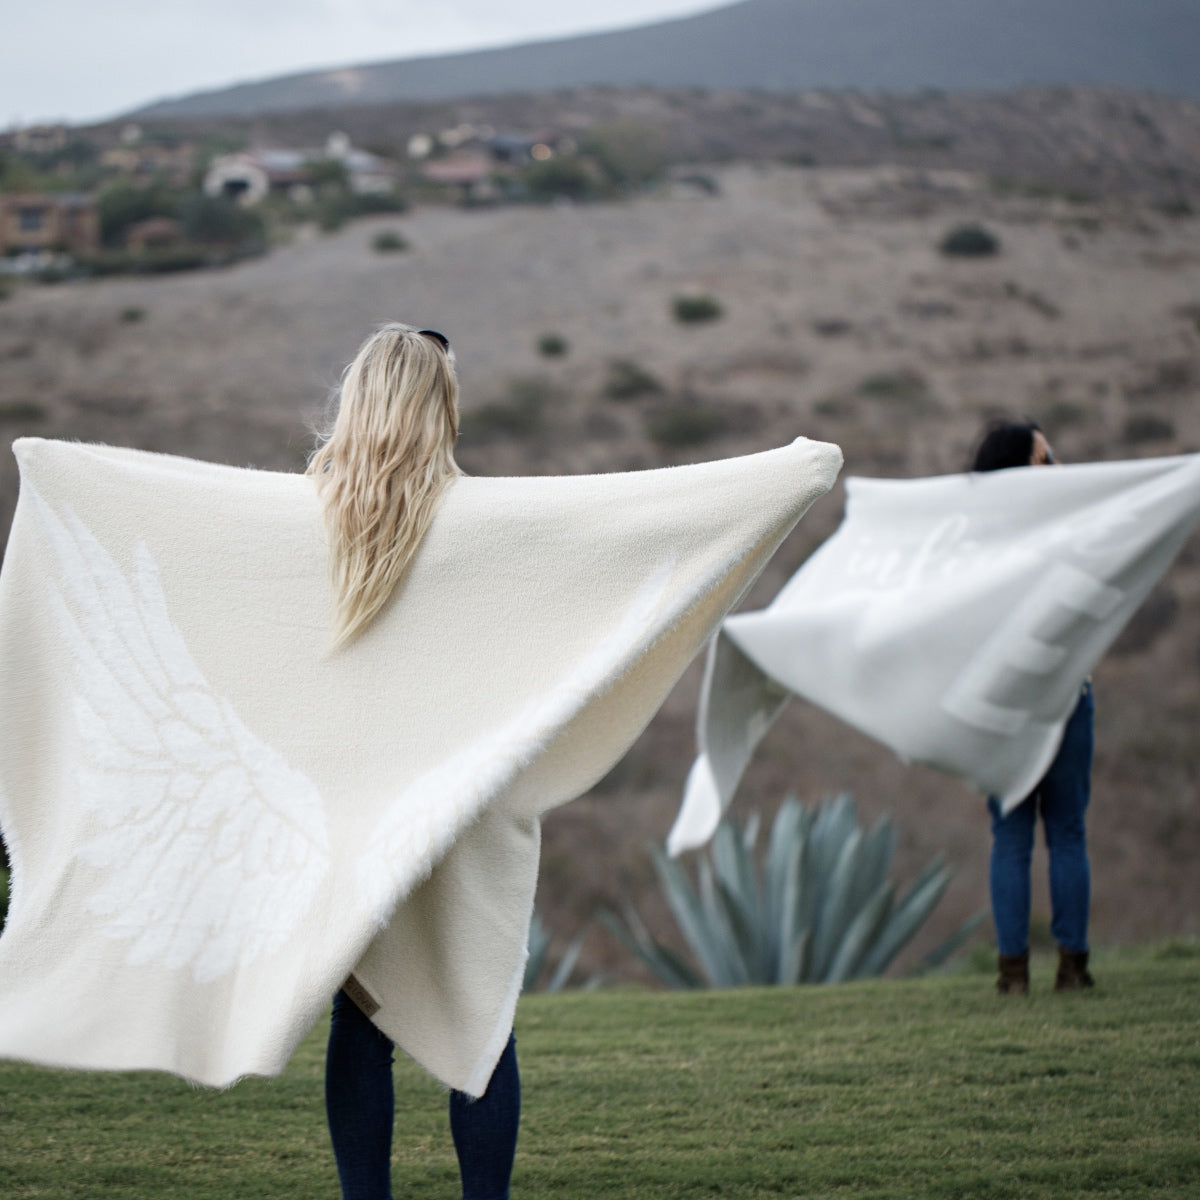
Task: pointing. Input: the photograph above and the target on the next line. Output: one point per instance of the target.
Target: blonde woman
(380, 474)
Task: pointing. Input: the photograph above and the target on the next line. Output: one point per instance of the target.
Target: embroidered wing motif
(212, 847)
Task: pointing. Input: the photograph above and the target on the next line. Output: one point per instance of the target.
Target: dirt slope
(841, 321)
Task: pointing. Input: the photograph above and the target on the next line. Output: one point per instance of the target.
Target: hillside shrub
(60, 272)
(560, 178)
(552, 345)
(123, 204)
(369, 204)
(389, 242)
(22, 410)
(217, 221)
(701, 182)
(332, 212)
(334, 207)
(835, 407)
(151, 262)
(1063, 414)
(820, 910)
(1190, 312)
(831, 327)
(1146, 427)
(327, 174)
(132, 315)
(630, 152)
(626, 380)
(685, 423)
(519, 415)
(970, 241)
(903, 390)
(695, 309)
(207, 221)
(1166, 378)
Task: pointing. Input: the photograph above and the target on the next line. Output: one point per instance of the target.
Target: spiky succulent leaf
(688, 910)
(822, 909)
(784, 904)
(662, 961)
(877, 850)
(539, 955)
(833, 825)
(733, 862)
(782, 847)
(836, 911)
(539, 946)
(728, 935)
(793, 967)
(860, 935)
(907, 918)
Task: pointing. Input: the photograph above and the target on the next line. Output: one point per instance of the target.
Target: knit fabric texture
(953, 619)
(214, 819)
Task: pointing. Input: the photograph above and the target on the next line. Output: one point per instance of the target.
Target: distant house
(251, 176)
(514, 149)
(147, 160)
(40, 139)
(254, 174)
(48, 222)
(480, 157)
(470, 173)
(368, 174)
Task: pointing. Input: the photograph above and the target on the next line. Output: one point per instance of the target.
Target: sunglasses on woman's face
(437, 337)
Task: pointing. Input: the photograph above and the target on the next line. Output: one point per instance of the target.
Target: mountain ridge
(779, 45)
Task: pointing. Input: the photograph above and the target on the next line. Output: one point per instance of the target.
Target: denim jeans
(359, 1105)
(1062, 798)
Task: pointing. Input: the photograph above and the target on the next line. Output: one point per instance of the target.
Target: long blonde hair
(384, 465)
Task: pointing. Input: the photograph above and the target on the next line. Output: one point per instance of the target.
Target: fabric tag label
(359, 994)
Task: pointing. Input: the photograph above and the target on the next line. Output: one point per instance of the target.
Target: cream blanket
(953, 619)
(213, 820)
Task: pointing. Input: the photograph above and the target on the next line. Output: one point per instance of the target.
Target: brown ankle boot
(1014, 975)
(1072, 971)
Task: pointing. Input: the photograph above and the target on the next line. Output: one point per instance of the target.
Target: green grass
(929, 1088)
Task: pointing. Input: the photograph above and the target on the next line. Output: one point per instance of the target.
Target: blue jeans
(359, 1105)
(1062, 798)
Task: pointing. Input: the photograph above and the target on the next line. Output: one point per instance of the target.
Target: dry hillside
(840, 320)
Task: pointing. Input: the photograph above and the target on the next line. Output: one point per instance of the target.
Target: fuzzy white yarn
(214, 819)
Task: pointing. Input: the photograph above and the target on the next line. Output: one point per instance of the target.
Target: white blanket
(954, 619)
(213, 819)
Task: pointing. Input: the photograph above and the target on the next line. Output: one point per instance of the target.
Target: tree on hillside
(630, 152)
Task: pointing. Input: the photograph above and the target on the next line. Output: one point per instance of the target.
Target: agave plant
(822, 911)
(539, 959)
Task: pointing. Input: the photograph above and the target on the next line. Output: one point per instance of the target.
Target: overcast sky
(85, 60)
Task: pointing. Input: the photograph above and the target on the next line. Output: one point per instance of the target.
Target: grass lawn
(930, 1088)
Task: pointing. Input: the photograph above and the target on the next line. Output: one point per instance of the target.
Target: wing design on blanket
(214, 816)
(209, 847)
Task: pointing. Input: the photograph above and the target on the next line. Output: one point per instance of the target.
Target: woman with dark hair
(1013, 444)
(1061, 798)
